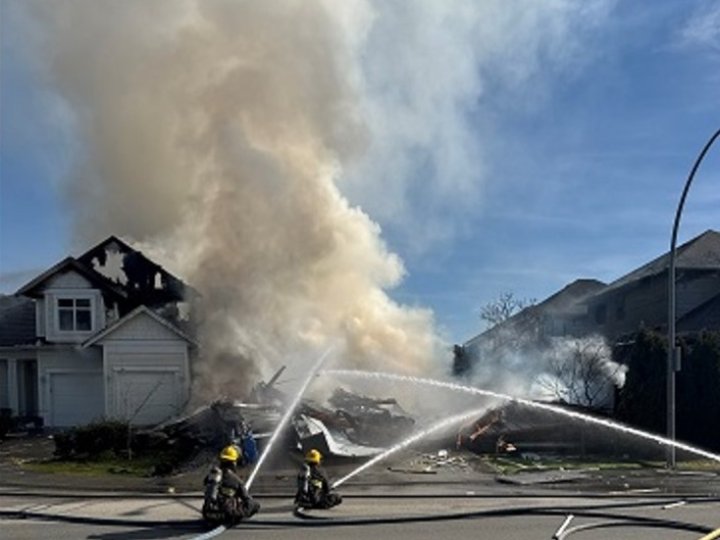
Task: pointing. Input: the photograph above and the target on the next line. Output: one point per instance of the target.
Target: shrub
(93, 440)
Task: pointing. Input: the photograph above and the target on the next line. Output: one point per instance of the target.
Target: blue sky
(581, 152)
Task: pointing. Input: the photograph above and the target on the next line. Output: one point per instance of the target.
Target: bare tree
(580, 371)
(503, 308)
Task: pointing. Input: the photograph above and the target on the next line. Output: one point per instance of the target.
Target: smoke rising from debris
(577, 370)
(216, 135)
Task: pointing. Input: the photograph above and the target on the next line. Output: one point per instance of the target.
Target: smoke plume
(216, 135)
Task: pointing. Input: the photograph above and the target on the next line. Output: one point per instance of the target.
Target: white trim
(120, 369)
(106, 383)
(74, 294)
(154, 347)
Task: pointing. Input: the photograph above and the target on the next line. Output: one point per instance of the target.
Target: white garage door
(76, 398)
(146, 396)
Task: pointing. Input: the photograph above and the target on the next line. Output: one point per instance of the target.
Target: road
(423, 518)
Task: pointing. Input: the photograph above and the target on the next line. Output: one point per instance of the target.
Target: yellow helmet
(313, 456)
(229, 453)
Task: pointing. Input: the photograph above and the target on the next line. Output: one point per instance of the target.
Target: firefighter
(227, 500)
(313, 487)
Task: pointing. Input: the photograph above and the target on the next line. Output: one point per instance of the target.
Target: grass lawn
(140, 467)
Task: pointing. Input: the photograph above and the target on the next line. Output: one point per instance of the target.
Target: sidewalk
(184, 511)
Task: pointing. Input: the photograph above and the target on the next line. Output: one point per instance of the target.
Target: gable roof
(17, 321)
(132, 315)
(570, 295)
(32, 288)
(700, 253)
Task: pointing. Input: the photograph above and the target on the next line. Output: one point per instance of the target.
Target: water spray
(286, 417)
(444, 423)
(478, 391)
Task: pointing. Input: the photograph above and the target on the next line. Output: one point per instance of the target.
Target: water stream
(286, 417)
(444, 423)
(489, 393)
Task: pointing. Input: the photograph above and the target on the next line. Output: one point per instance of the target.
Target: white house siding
(68, 280)
(143, 328)
(146, 370)
(71, 386)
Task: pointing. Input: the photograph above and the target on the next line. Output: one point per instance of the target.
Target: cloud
(702, 29)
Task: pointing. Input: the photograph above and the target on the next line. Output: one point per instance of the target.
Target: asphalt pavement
(385, 494)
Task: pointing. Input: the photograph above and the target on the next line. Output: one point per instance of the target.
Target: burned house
(102, 335)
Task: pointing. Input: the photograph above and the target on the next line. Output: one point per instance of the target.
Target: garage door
(146, 396)
(76, 398)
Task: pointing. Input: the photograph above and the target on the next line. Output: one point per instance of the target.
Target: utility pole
(673, 357)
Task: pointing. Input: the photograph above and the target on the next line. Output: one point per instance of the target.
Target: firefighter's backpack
(212, 509)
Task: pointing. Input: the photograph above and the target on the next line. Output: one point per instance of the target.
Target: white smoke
(519, 361)
(217, 133)
(580, 371)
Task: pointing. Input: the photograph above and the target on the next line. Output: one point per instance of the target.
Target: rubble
(372, 422)
(353, 425)
(313, 433)
(430, 463)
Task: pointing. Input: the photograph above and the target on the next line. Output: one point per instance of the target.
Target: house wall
(144, 328)
(646, 303)
(146, 370)
(695, 289)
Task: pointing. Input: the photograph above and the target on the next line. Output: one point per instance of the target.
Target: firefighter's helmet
(313, 456)
(229, 453)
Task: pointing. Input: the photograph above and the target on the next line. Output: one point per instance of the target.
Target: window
(74, 314)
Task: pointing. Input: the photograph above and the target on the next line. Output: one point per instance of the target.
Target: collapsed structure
(351, 425)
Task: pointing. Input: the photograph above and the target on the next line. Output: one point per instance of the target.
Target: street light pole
(673, 357)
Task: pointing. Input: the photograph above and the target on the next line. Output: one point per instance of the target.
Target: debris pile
(373, 422)
(351, 425)
(431, 462)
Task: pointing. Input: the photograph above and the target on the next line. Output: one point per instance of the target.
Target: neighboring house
(97, 336)
(640, 298)
(557, 315)
(637, 300)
